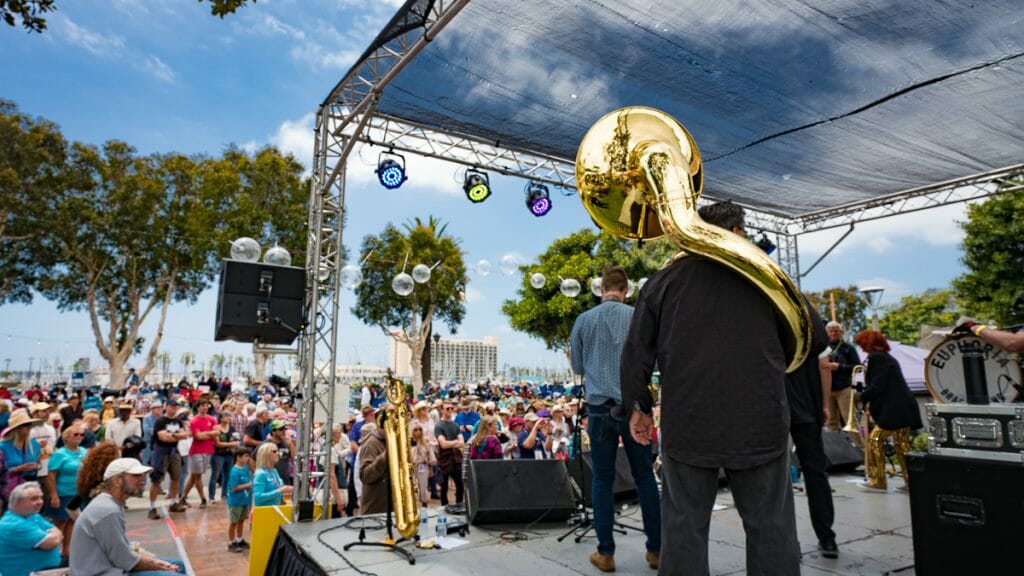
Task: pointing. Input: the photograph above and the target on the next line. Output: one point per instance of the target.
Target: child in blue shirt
(239, 500)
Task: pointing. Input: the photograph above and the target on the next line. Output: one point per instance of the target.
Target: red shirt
(202, 424)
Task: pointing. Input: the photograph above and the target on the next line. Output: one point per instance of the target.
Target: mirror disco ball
(537, 280)
(245, 249)
(421, 273)
(403, 284)
(278, 256)
(570, 287)
(351, 276)
(509, 264)
(483, 267)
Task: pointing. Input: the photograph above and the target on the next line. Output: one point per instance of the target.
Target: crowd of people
(70, 459)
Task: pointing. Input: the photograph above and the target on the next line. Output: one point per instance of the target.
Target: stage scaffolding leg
(789, 257)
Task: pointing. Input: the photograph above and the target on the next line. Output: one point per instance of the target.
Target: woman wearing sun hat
(20, 451)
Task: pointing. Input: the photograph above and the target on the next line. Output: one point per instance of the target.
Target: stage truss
(347, 117)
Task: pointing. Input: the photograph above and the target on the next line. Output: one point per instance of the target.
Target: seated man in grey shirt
(99, 545)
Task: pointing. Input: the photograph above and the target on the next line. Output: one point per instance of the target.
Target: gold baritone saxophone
(639, 174)
(395, 423)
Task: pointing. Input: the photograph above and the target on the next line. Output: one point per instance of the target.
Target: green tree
(902, 322)
(994, 256)
(30, 12)
(408, 319)
(121, 236)
(850, 307)
(32, 156)
(547, 314)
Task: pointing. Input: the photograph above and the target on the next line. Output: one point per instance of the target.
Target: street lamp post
(873, 295)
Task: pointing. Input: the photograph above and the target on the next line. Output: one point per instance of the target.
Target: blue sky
(165, 76)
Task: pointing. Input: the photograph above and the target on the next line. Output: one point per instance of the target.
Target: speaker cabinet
(624, 487)
(518, 491)
(840, 451)
(967, 514)
(259, 301)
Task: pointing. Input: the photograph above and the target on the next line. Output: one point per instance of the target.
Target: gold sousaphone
(639, 174)
(395, 423)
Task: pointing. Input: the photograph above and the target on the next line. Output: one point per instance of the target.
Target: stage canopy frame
(812, 115)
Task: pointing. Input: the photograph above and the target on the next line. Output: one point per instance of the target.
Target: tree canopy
(118, 234)
(993, 248)
(31, 12)
(850, 307)
(547, 314)
(409, 319)
(902, 322)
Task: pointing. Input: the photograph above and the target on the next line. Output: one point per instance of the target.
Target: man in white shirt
(124, 426)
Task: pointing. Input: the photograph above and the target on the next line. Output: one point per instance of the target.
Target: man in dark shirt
(255, 431)
(167, 432)
(449, 453)
(807, 389)
(842, 358)
(715, 338)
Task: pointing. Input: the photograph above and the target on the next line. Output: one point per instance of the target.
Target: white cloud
(111, 47)
(296, 136)
(156, 68)
(474, 296)
(934, 226)
(92, 42)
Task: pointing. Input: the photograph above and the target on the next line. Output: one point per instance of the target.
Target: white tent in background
(912, 362)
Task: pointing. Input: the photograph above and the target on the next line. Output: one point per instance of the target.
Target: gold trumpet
(395, 423)
(639, 174)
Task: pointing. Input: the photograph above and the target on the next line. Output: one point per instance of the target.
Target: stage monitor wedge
(258, 301)
(518, 491)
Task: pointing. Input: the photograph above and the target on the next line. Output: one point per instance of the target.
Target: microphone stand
(582, 523)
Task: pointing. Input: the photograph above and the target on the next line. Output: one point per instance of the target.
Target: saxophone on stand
(394, 421)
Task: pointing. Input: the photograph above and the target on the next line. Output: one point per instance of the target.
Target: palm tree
(187, 359)
(164, 359)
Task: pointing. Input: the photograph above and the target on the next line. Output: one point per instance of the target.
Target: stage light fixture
(537, 199)
(391, 170)
(477, 186)
(765, 244)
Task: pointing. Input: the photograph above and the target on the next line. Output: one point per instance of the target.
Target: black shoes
(829, 549)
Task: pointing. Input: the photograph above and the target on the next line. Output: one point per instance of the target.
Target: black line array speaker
(624, 487)
(967, 514)
(518, 491)
(259, 301)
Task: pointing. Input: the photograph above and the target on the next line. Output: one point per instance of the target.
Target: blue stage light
(391, 170)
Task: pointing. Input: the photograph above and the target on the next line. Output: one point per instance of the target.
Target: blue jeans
(220, 467)
(604, 433)
(178, 563)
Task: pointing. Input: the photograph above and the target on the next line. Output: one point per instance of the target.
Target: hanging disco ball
(351, 276)
(483, 267)
(570, 287)
(595, 286)
(245, 249)
(403, 284)
(537, 280)
(421, 273)
(509, 264)
(278, 256)
(630, 288)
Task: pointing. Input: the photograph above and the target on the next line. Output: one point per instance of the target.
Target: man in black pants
(449, 453)
(807, 390)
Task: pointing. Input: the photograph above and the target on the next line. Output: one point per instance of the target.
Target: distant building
(464, 360)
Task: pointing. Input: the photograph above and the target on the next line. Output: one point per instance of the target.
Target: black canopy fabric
(797, 107)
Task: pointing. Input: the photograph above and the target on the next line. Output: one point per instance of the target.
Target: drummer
(1011, 341)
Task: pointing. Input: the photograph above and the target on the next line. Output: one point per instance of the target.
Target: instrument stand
(389, 538)
(583, 523)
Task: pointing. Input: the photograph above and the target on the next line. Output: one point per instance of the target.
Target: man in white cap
(99, 544)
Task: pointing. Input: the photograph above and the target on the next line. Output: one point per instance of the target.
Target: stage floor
(872, 529)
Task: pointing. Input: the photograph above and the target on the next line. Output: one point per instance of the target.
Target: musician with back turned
(716, 340)
(596, 347)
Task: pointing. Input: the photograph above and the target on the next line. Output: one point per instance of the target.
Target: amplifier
(967, 515)
(983, 431)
